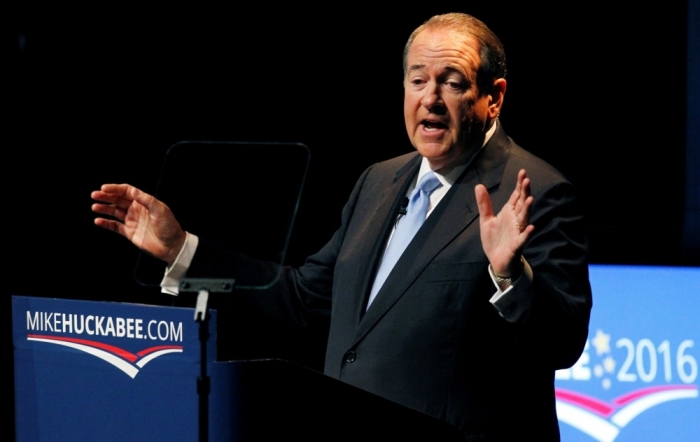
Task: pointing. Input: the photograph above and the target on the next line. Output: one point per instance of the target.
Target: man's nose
(431, 97)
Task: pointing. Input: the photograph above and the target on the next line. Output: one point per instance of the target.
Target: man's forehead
(452, 50)
(446, 36)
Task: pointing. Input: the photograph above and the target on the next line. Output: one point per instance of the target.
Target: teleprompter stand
(203, 287)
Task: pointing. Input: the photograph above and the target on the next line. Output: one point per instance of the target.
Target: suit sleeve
(556, 325)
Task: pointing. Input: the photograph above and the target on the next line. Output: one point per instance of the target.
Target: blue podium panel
(637, 379)
(98, 371)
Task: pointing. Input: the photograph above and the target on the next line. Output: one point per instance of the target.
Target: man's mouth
(433, 125)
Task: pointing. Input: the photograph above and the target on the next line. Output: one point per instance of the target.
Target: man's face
(445, 117)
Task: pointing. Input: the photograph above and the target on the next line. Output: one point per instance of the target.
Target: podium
(99, 371)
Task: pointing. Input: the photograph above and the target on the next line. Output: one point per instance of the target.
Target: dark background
(92, 96)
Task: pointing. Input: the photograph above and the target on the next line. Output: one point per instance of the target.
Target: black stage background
(98, 95)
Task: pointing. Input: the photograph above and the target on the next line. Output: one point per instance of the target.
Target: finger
(112, 225)
(109, 209)
(527, 205)
(523, 194)
(111, 198)
(99, 195)
(523, 238)
(522, 216)
(515, 197)
(513, 200)
(525, 188)
(525, 182)
(519, 181)
(116, 189)
(483, 203)
(123, 194)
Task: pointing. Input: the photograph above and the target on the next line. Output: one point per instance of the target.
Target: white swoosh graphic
(625, 415)
(105, 356)
(146, 359)
(594, 426)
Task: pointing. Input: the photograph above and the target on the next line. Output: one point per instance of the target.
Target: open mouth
(433, 125)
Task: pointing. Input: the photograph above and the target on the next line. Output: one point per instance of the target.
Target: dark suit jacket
(431, 340)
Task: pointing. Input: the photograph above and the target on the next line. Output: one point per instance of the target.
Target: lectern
(100, 371)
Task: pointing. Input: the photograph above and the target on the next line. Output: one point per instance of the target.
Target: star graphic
(598, 370)
(601, 342)
(609, 364)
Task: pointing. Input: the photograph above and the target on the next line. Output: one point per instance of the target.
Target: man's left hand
(504, 236)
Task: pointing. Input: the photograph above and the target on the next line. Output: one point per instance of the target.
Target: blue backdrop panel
(97, 371)
(637, 379)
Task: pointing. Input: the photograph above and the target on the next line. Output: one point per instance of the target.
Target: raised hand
(140, 218)
(503, 236)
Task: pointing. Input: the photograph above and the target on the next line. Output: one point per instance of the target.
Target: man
(479, 309)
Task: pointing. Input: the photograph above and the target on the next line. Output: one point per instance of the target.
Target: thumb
(483, 202)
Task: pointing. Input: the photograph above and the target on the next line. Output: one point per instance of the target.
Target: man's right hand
(140, 218)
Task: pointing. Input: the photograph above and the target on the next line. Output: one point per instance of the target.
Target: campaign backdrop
(637, 379)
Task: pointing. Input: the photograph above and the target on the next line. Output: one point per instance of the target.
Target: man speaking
(436, 301)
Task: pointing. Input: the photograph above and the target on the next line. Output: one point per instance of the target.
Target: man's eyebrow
(448, 68)
(455, 69)
(415, 67)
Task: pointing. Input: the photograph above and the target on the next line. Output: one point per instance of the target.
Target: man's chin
(437, 161)
(440, 156)
(432, 150)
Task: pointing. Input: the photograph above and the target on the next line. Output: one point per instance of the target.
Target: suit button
(512, 306)
(350, 356)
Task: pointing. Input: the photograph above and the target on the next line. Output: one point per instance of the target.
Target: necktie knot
(428, 183)
(419, 200)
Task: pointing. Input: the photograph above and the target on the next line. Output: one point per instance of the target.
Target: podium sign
(89, 371)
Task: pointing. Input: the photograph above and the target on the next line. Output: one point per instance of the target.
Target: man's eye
(455, 85)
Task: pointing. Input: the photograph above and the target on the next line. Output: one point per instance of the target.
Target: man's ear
(498, 92)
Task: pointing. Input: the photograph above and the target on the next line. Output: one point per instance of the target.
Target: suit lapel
(455, 212)
(376, 230)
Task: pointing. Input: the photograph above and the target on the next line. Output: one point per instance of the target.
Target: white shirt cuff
(512, 302)
(170, 284)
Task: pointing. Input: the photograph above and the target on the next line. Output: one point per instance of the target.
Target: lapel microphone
(402, 208)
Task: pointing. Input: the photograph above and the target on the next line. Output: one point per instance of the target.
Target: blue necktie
(406, 229)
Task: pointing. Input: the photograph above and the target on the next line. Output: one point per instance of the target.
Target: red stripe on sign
(158, 348)
(102, 346)
(588, 402)
(629, 397)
